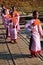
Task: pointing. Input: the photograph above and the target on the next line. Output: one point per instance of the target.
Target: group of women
(11, 24)
(10, 20)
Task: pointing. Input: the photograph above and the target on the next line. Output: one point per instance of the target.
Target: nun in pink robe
(3, 17)
(6, 21)
(36, 45)
(16, 14)
(13, 31)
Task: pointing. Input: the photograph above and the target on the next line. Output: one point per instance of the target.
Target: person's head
(3, 7)
(13, 8)
(4, 11)
(35, 14)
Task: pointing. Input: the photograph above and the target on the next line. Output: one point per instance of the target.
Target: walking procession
(11, 22)
(12, 27)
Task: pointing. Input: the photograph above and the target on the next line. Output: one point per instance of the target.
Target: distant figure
(12, 28)
(3, 7)
(34, 26)
(5, 19)
(12, 10)
(16, 15)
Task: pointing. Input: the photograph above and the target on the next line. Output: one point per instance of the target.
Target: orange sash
(36, 22)
(7, 16)
(14, 20)
(15, 13)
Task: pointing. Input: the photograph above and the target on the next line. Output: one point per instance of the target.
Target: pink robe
(4, 21)
(36, 46)
(13, 34)
(17, 21)
(18, 26)
(10, 28)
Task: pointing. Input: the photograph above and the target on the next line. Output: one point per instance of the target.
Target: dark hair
(12, 7)
(2, 6)
(34, 12)
(3, 11)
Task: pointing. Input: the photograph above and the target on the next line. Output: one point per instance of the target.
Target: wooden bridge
(17, 53)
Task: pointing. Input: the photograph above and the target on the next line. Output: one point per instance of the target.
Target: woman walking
(35, 29)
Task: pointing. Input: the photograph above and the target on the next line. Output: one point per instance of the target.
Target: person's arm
(28, 26)
(3, 15)
(40, 29)
(7, 12)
